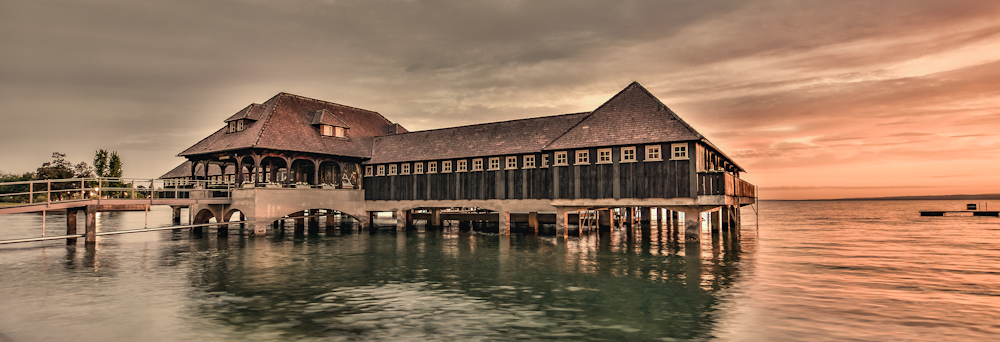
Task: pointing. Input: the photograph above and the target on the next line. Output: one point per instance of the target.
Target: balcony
(724, 183)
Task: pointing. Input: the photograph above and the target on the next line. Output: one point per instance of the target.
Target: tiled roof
(251, 112)
(284, 124)
(184, 170)
(489, 139)
(633, 116)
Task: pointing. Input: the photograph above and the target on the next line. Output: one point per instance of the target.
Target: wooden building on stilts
(617, 165)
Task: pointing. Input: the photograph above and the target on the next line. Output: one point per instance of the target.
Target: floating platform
(959, 213)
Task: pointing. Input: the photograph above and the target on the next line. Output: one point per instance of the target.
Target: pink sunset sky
(816, 99)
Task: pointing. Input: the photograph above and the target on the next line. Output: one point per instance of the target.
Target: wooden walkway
(974, 212)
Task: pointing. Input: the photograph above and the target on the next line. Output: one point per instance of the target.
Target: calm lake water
(812, 271)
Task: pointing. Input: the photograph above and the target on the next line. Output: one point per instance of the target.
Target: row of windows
(653, 153)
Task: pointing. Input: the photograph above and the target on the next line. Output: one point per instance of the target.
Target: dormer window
(236, 126)
(332, 131)
(329, 125)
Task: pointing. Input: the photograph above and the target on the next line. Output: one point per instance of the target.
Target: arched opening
(350, 176)
(204, 216)
(246, 172)
(275, 170)
(302, 172)
(329, 174)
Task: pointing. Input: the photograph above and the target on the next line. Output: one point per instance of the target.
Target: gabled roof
(489, 139)
(184, 170)
(284, 124)
(633, 116)
(324, 117)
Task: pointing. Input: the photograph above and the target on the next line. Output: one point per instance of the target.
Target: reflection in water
(456, 285)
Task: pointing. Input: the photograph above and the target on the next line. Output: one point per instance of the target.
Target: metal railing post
(48, 192)
(31, 192)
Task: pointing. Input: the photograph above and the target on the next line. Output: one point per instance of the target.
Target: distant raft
(969, 208)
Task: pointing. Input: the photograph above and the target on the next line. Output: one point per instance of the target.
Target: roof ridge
(328, 102)
(263, 125)
(671, 111)
(592, 113)
(486, 123)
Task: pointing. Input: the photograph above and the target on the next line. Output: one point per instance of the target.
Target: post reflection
(594, 285)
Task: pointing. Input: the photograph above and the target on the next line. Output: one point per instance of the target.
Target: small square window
(326, 130)
(604, 156)
(529, 162)
(446, 166)
(463, 165)
(432, 167)
(582, 157)
(477, 164)
(239, 125)
(404, 169)
(679, 151)
(338, 132)
(368, 171)
(381, 170)
(628, 154)
(653, 153)
(511, 163)
(232, 127)
(418, 168)
(545, 160)
(495, 163)
(392, 169)
(561, 158)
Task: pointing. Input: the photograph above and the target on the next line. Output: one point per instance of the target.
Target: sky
(815, 99)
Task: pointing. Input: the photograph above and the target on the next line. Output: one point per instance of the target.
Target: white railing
(77, 189)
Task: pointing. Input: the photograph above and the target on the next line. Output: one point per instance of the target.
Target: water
(863, 271)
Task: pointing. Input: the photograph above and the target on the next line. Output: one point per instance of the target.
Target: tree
(58, 168)
(82, 170)
(101, 163)
(115, 165)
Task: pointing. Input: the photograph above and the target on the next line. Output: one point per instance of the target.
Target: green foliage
(18, 188)
(114, 165)
(101, 163)
(82, 170)
(58, 168)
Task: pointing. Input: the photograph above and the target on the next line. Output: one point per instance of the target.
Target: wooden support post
(300, 223)
(645, 214)
(222, 229)
(715, 221)
(692, 224)
(562, 221)
(435, 217)
(629, 217)
(503, 223)
(176, 214)
(400, 219)
(71, 225)
(533, 221)
(331, 220)
(90, 234)
(313, 221)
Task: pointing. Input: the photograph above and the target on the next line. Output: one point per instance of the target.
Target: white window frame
(604, 156)
(511, 163)
(369, 171)
(562, 156)
(462, 166)
(545, 160)
(381, 170)
(404, 169)
(432, 167)
(232, 127)
(446, 166)
(529, 162)
(239, 125)
(582, 157)
(494, 163)
(653, 153)
(683, 151)
(418, 168)
(392, 169)
(628, 154)
(477, 164)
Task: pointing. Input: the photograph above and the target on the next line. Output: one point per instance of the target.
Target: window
(462, 166)
(239, 125)
(477, 164)
(432, 167)
(679, 151)
(653, 153)
(339, 132)
(418, 168)
(561, 158)
(511, 163)
(326, 130)
(545, 160)
(392, 169)
(582, 157)
(446, 166)
(604, 156)
(628, 154)
(368, 171)
(232, 127)
(381, 170)
(495, 163)
(529, 162)
(404, 169)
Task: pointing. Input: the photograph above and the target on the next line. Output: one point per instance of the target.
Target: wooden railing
(724, 183)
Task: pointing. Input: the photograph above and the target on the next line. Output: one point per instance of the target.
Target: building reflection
(646, 285)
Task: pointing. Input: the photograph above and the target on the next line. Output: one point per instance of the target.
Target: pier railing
(77, 189)
(724, 183)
